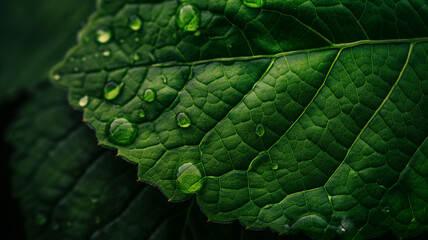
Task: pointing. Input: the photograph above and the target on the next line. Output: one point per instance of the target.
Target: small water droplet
(84, 101)
(187, 17)
(149, 95)
(274, 166)
(189, 178)
(121, 131)
(41, 219)
(55, 226)
(56, 76)
(183, 120)
(260, 130)
(142, 114)
(106, 52)
(386, 210)
(112, 90)
(135, 23)
(103, 35)
(136, 57)
(342, 229)
(164, 79)
(253, 3)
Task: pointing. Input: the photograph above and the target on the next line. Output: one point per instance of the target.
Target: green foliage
(289, 115)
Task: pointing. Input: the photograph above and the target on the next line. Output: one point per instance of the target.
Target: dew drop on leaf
(183, 120)
(84, 101)
(386, 210)
(121, 131)
(187, 17)
(41, 219)
(112, 90)
(56, 76)
(189, 178)
(103, 35)
(141, 114)
(136, 57)
(106, 52)
(149, 95)
(253, 3)
(260, 130)
(274, 166)
(135, 23)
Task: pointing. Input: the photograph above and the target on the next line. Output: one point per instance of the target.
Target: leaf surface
(296, 116)
(68, 188)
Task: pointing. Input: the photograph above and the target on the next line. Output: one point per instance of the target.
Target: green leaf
(296, 116)
(68, 188)
(35, 35)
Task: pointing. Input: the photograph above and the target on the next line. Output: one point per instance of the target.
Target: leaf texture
(299, 115)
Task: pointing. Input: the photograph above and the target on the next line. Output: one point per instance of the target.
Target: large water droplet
(260, 130)
(253, 3)
(41, 219)
(189, 178)
(103, 35)
(183, 120)
(112, 90)
(84, 101)
(121, 131)
(187, 17)
(135, 23)
(274, 166)
(149, 95)
(136, 57)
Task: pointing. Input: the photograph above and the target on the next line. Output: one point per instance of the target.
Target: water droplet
(386, 209)
(121, 131)
(41, 219)
(187, 17)
(106, 52)
(253, 3)
(142, 114)
(189, 178)
(149, 95)
(103, 35)
(56, 76)
(84, 101)
(260, 130)
(342, 229)
(164, 80)
(135, 23)
(274, 166)
(55, 226)
(112, 90)
(183, 120)
(136, 57)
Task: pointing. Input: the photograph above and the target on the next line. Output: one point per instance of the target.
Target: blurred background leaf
(34, 36)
